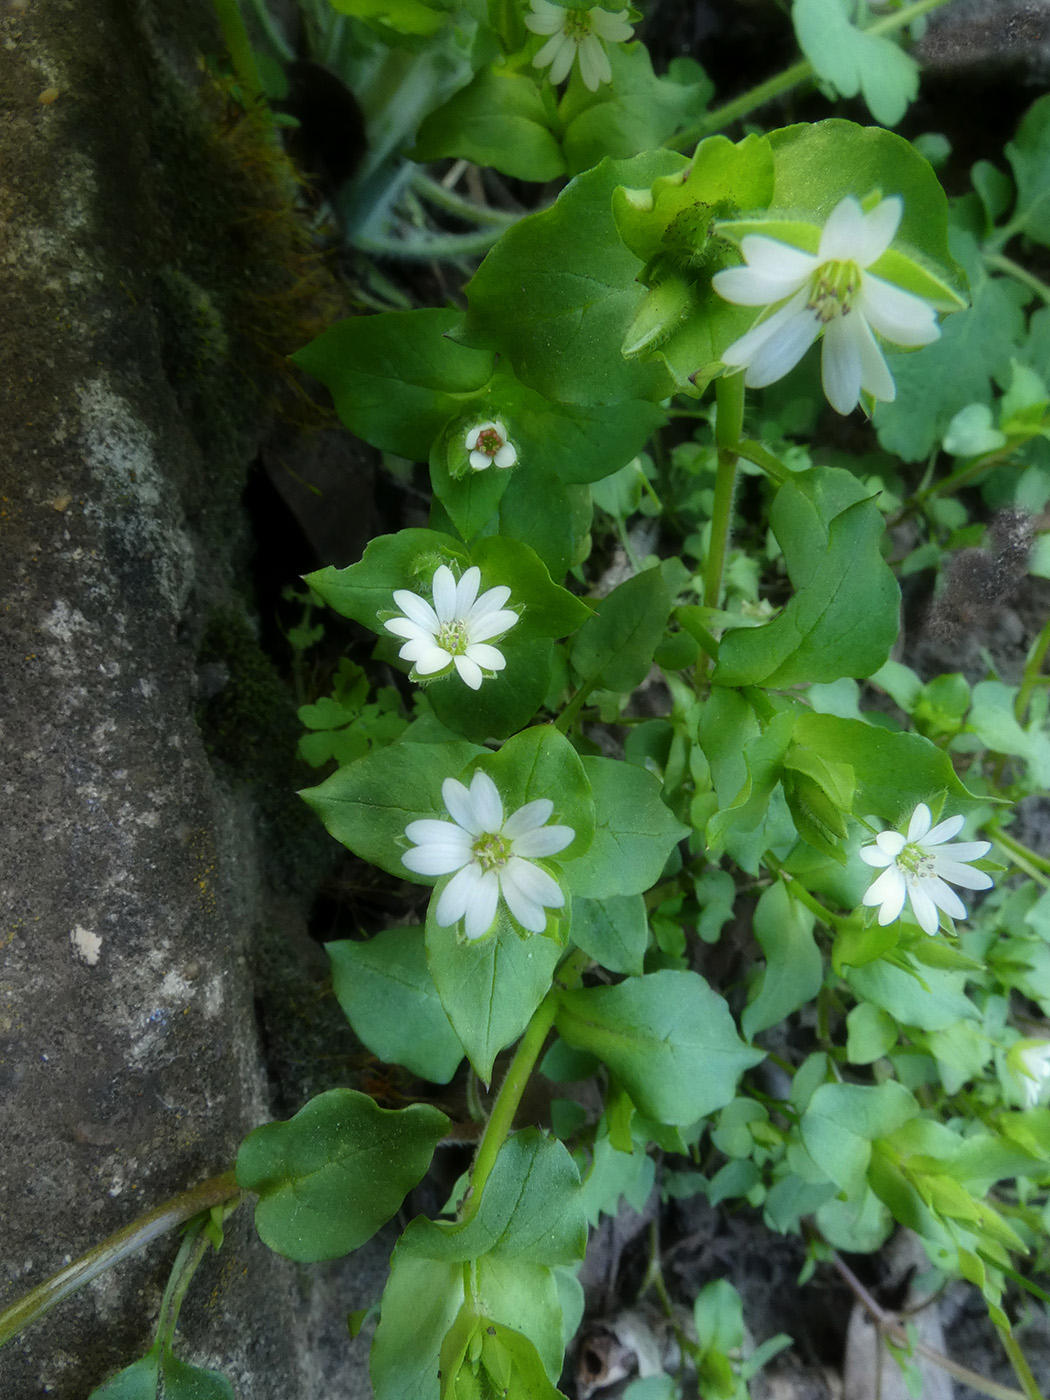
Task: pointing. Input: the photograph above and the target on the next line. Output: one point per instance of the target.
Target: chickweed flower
(577, 34)
(1030, 1062)
(916, 870)
(833, 294)
(457, 630)
(490, 857)
(487, 443)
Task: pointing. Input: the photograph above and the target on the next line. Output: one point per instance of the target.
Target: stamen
(491, 851)
(834, 288)
(452, 637)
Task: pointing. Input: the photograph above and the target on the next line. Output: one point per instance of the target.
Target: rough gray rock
(129, 1068)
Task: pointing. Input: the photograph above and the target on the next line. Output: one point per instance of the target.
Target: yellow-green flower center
(452, 637)
(834, 289)
(915, 861)
(491, 851)
(577, 24)
(489, 442)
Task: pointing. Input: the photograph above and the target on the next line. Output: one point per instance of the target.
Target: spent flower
(456, 630)
(831, 293)
(487, 443)
(489, 857)
(919, 867)
(579, 34)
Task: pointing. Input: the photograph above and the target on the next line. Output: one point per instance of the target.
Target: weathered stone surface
(129, 1067)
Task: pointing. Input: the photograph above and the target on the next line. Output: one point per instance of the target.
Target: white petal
(416, 608)
(552, 48)
(888, 891)
(480, 460)
(428, 830)
(438, 858)
(963, 875)
(469, 671)
(614, 28)
(481, 906)
(962, 850)
(925, 909)
(444, 591)
(744, 286)
(562, 59)
(459, 803)
(843, 234)
(528, 818)
(429, 661)
(506, 456)
(457, 896)
(467, 591)
(944, 896)
(781, 352)
(480, 654)
(875, 377)
(547, 841)
(475, 433)
(594, 63)
(840, 364)
(897, 315)
(487, 804)
(875, 855)
(414, 631)
(528, 889)
(493, 626)
(545, 18)
(919, 824)
(878, 228)
(944, 831)
(892, 842)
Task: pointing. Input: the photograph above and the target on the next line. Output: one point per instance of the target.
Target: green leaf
(637, 111)
(396, 379)
(843, 617)
(558, 293)
(506, 701)
(843, 1120)
(139, 1381)
(499, 120)
(893, 772)
(975, 348)
(549, 515)
(614, 931)
(853, 61)
(667, 1037)
(794, 968)
(933, 1003)
(185, 1382)
(718, 1313)
(420, 1303)
(402, 16)
(870, 1032)
(365, 591)
(1029, 157)
(368, 804)
(489, 989)
(613, 650)
(634, 835)
(159, 1374)
(331, 1176)
(388, 996)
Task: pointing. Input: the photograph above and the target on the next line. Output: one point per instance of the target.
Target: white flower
(487, 443)
(1030, 1062)
(456, 630)
(577, 34)
(917, 870)
(832, 292)
(490, 857)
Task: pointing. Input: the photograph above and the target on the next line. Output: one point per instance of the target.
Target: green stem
(435, 193)
(242, 56)
(565, 720)
(783, 82)
(278, 42)
(1026, 858)
(439, 247)
(729, 396)
(521, 1066)
(130, 1240)
(1022, 1370)
(1032, 670)
(797, 890)
(999, 263)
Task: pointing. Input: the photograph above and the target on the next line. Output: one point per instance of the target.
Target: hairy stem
(1028, 860)
(783, 82)
(998, 263)
(729, 395)
(517, 1077)
(149, 1227)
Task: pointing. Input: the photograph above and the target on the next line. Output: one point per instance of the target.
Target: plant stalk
(142, 1232)
(1032, 670)
(729, 396)
(517, 1077)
